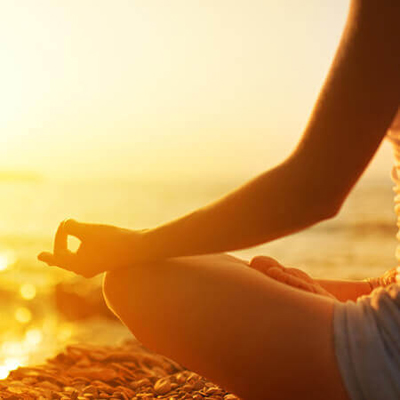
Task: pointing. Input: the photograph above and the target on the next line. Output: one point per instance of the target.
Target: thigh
(239, 328)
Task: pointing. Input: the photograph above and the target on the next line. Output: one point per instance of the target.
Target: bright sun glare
(3, 262)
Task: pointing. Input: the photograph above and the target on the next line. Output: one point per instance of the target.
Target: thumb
(46, 257)
(264, 263)
(65, 259)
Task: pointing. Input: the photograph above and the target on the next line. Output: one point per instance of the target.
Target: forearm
(277, 203)
(339, 141)
(346, 290)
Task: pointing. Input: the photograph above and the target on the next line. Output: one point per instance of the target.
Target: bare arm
(354, 110)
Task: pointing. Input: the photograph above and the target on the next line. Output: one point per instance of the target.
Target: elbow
(320, 202)
(331, 212)
(315, 199)
(317, 204)
(327, 209)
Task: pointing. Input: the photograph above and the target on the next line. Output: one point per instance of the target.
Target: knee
(121, 287)
(113, 283)
(123, 297)
(129, 295)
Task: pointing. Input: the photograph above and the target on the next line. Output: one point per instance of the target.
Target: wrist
(146, 247)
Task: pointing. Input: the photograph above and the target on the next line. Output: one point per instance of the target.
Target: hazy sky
(158, 87)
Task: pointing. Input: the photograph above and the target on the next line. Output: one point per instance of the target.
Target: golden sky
(157, 87)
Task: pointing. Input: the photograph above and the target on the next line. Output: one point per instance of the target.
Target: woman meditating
(258, 329)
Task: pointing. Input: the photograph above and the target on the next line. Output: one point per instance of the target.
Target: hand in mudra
(290, 276)
(102, 248)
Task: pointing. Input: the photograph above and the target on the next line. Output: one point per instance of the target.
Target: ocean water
(359, 242)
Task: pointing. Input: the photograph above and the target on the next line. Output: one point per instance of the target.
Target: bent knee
(124, 296)
(111, 288)
(122, 288)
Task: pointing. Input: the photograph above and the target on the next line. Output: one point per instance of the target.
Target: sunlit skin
(254, 328)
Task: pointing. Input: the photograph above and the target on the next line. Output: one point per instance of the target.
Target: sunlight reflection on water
(30, 329)
(15, 353)
(27, 291)
(6, 260)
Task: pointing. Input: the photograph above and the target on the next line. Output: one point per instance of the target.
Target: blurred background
(135, 112)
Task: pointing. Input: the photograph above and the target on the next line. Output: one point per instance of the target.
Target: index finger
(60, 239)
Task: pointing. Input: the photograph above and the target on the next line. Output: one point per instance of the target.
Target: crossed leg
(248, 333)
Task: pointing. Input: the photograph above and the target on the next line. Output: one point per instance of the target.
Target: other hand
(290, 276)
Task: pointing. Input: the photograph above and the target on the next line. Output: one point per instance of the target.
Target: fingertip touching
(74, 227)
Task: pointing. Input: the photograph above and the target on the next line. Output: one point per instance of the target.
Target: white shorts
(367, 344)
